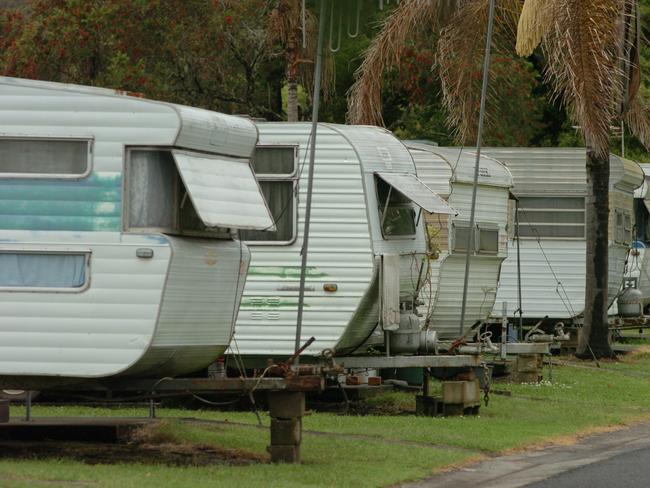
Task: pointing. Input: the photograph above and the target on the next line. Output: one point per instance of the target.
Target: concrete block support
(286, 410)
(4, 411)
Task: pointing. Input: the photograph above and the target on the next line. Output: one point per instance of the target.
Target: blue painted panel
(91, 204)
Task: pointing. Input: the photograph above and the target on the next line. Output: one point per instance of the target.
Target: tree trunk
(292, 80)
(594, 340)
(292, 101)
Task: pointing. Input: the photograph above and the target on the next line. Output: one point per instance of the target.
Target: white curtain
(46, 270)
(151, 188)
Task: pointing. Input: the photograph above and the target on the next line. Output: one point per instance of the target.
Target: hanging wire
(331, 37)
(354, 34)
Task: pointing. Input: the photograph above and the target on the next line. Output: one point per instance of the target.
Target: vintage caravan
(117, 217)
(550, 185)
(450, 172)
(366, 251)
(637, 271)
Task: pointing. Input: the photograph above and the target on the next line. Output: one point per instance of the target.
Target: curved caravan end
(119, 254)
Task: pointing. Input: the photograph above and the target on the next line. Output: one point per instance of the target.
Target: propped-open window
(396, 195)
(187, 193)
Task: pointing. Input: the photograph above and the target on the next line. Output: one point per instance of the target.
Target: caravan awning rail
(412, 188)
(224, 191)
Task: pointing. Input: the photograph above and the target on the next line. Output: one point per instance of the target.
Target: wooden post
(286, 410)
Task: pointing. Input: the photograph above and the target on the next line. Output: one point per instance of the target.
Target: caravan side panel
(340, 252)
(96, 332)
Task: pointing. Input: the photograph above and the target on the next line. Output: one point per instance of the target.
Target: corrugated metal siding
(481, 293)
(625, 174)
(214, 132)
(541, 294)
(224, 191)
(97, 332)
(463, 162)
(559, 171)
(433, 170)
(200, 295)
(340, 252)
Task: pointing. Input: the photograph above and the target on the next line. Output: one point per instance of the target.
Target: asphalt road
(629, 470)
(614, 459)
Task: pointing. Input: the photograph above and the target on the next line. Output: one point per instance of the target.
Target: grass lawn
(370, 450)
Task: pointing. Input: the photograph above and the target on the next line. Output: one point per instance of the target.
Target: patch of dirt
(94, 453)
(150, 444)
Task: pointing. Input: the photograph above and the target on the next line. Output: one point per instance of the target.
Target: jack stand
(286, 410)
(28, 407)
(528, 368)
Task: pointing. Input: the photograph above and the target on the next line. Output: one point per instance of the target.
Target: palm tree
(591, 56)
(294, 28)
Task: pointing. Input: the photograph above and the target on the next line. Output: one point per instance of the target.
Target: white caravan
(366, 250)
(637, 271)
(450, 172)
(117, 217)
(550, 185)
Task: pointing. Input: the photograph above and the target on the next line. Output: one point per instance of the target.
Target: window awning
(411, 187)
(224, 191)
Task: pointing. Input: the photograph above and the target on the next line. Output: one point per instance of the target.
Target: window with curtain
(24, 270)
(157, 199)
(552, 217)
(275, 169)
(44, 157)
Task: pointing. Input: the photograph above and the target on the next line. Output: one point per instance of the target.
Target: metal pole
(479, 137)
(28, 406)
(520, 332)
(310, 179)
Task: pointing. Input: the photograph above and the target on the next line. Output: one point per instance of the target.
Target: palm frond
(461, 49)
(637, 118)
(582, 65)
(534, 22)
(364, 97)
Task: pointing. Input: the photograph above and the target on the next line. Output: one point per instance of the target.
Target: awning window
(411, 187)
(224, 191)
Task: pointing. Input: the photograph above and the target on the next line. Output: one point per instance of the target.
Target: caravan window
(44, 158)
(396, 212)
(276, 169)
(623, 227)
(50, 271)
(486, 238)
(459, 237)
(157, 200)
(552, 217)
